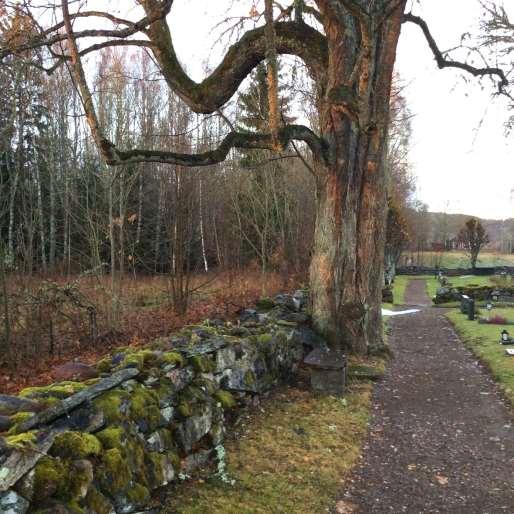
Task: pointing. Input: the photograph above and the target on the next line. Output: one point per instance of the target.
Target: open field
(456, 259)
(482, 340)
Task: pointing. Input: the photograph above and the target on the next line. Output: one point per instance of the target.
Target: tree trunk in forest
(347, 265)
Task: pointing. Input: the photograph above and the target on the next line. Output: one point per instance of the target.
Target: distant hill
(501, 232)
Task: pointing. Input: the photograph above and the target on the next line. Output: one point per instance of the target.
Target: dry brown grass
(145, 313)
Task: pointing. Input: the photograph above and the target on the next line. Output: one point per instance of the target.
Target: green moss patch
(226, 399)
(18, 419)
(110, 404)
(265, 304)
(60, 390)
(111, 437)
(24, 440)
(144, 407)
(202, 364)
(76, 445)
(113, 473)
(172, 358)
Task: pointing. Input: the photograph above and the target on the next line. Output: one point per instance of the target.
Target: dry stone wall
(151, 416)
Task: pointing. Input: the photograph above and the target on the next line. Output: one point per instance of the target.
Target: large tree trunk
(347, 265)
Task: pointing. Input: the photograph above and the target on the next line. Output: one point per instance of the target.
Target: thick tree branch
(241, 140)
(114, 156)
(442, 62)
(206, 97)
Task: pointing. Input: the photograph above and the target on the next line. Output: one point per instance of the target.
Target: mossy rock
(264, 338)
(138, 494)
(76, 445)
(59, 390)
(141, 360)
(206, 385)
(202, 363)
(113, 473)
(185, 409)
(226, 399)
(17, 419)
(111, 404)
(249, 378)
(96, 502)
(175, 358)
(112, 437)
(104, 365)
(23, 440)
(144, 408)
(265, 304)
(51, 477)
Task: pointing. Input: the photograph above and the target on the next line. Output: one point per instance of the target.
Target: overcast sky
(463, 161)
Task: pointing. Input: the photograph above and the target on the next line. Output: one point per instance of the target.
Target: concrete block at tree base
(328, 370)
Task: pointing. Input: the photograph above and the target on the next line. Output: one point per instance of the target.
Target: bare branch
(442, 62)
(241, 140)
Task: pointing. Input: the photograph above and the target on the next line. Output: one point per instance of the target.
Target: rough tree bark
(347, 265)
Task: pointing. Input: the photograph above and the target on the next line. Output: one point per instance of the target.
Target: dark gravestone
(328, 370)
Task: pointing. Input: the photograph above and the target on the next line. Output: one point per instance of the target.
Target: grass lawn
(292, 455)
(482, 340)
(459, 259)
(399, 286)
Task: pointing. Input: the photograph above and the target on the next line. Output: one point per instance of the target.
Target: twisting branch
(113, 156)
(442, 62)
(242, 140)
(207, 96)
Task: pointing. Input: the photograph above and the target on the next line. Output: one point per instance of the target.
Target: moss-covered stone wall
(154, 414)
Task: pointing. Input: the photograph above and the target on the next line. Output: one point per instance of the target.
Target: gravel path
(441, 437)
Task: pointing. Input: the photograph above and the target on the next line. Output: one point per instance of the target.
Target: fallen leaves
(441, 479)
(344, 507)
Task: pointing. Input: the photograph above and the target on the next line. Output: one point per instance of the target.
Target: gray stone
(157, 441)
(205, 346)
(192, 429)
(307, 337)
(196, 460)
(20, 462)
(74, 371)
(85, 468)
(249, 315)
(12, 404)
(5, 423)
(130, 385)
(328, 370)
(12, 503)
(225, 358)
(180, 377)
(25, 486)
(167, 472)
(167, 413)
(83, 419)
